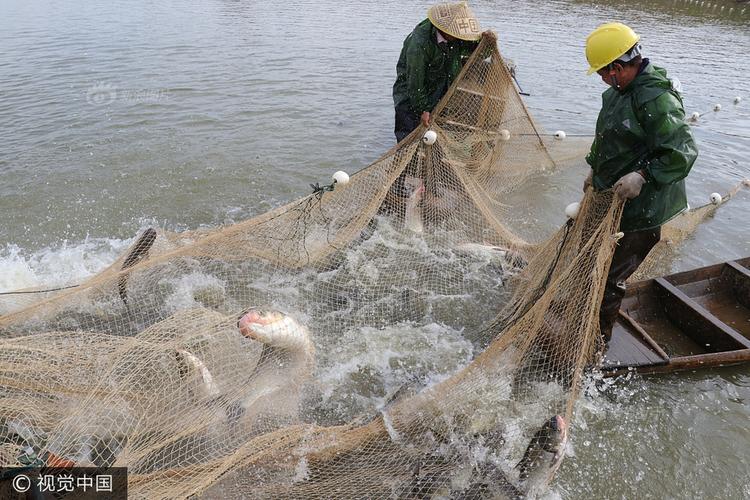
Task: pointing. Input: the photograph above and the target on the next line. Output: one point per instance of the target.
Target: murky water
(115, 115)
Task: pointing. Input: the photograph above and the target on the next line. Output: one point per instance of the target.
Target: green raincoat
(643, 128)
(426, 69)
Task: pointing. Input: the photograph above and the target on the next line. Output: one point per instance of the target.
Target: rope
(731, 135)
(543, 287)
(39, 291)
(553, 135)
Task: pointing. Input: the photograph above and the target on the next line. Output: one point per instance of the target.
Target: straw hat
(456, 19)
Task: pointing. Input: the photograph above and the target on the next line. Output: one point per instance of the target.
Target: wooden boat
(689, 320)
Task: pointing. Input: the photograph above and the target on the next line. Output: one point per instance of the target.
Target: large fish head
(544, 454)
(557, 436)
(273, 328)
(258, 324)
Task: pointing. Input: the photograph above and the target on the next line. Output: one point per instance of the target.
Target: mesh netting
(424, 349)
(676, 231)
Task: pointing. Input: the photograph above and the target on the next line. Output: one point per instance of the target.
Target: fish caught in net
(389, 337)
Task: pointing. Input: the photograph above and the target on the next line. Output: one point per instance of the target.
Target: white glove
(629, 186)
(589, 180)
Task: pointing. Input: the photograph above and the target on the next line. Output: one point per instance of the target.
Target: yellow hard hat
(456, 19)
(608, 43)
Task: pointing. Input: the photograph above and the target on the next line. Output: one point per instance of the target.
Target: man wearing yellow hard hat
(643, 149)
(431, 58)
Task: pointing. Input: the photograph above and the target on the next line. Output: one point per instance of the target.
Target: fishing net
(424, 347)
(676, 231)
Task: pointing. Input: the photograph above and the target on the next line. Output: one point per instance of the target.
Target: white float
(715, 198)
(504, 134)
(571, 211)
(429, 137)
(341, 177)
(560, 135)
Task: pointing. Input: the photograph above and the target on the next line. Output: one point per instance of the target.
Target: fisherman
(432, 56)
(643, 149)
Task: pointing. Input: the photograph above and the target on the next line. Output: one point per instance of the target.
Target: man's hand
(490, 35)
(629, 186)
(425, 118)
(589, 180)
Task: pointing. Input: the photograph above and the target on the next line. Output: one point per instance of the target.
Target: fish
(83, 451)
(482, 250)
(540, 461)
(489, 482)
(405, 390)
(187, 359)
(439, 475)
(137, 254)
(52, 460)
(277, 331)
(413, 212)
(507, 258)
(544, 454)
(286, 359)
(33, 440)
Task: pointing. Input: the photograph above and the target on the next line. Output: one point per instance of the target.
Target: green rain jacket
(643, 128)
(426, 69)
